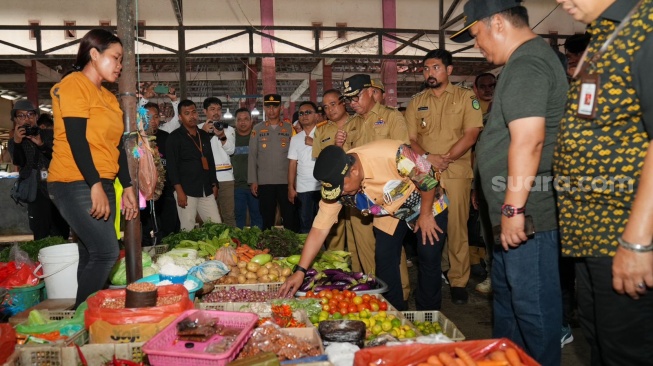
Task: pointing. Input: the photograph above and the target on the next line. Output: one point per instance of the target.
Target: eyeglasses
(26, 115)
(305, 113)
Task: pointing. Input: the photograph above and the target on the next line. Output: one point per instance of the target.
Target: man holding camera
(31, 150)
(223, 144)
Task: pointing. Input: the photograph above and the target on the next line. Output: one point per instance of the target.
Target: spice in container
(141, 295)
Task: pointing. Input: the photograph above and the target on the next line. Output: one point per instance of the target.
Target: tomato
(322, 293)
(338, 297)
(357, 300)
(333, 303)
(360, 307)
(324, 300)
(310, 294)
(366, 306)
(326, 307)
(335, 291)
(367, 298)
(343, 311)
(383, 305)
(343, 304)
(347, 294)
(352, 308)
(332, 311)
(374, 306)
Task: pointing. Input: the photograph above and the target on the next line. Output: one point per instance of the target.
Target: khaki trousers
(457, 244)
(205, 207)
(362, 243)
(226, 202)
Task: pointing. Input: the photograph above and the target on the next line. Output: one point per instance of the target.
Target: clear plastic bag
(209, 271)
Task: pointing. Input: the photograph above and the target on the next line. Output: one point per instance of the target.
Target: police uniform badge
(475, 104)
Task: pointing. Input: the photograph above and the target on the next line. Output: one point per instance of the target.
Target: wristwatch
(223, 138)
(510, 210)
(299, 268)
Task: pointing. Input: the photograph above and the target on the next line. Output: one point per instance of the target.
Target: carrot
(266, 251)
(463, 355)
(434, 361)
(460, 362)
(446, 359)
(424, 364)
(513, 357)
(492, 363)
(498, 356)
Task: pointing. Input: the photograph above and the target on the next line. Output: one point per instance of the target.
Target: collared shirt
(304, 182)
(598, 162)
(439, 122)
(184, 162)
(325, 135)
(221, 153)
(394, 176)
(380, 123)
(268, 153)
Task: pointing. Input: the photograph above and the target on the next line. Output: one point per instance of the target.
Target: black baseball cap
(274, 99)
(330, 169)
(355, 84)
(476, 10)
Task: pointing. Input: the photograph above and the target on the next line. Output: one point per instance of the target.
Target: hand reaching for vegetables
(291, 285)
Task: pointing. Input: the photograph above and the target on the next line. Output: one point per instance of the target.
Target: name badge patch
(425, 108)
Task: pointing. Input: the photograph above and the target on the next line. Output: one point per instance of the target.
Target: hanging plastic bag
(19, 271)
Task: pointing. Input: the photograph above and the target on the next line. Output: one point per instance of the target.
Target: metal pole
(441, 37)
(128, 102)
(181, 36)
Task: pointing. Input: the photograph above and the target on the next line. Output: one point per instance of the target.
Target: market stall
(209, 297)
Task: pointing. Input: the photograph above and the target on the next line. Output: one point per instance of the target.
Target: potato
(253, 267)
(230, 280)
(264, 279)
(250, 275)
(251, 282)
(262, 272)
(286, 272)
(234, 272)
(241, 279)
(268, 265)
(274, 272)
(242, 264)
(273, 278)
(282, 279)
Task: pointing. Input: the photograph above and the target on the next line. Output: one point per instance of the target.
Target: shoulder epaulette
(418, 94)
(323, 123)
(391, 108)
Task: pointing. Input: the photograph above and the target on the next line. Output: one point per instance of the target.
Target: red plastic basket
(163, 350)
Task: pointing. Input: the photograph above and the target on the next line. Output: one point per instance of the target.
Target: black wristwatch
(223, 138)
(510, 210)
(299, 268)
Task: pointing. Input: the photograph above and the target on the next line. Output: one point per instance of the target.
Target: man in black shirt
(191, 169)
(165, 207)
(31, 149)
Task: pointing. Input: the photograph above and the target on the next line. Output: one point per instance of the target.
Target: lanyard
(205, 162)
(582, 68)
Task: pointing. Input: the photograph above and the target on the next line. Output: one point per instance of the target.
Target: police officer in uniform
(444, 122)
(268, 165)
(371, 122)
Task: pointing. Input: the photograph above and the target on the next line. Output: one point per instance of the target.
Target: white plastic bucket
(60, 270)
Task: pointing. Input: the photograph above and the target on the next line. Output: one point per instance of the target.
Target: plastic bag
(209, 271)
(19, 271)
(37, 322)
(135, 315)
(7, 342)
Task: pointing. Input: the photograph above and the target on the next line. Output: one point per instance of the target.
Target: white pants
(206, 207)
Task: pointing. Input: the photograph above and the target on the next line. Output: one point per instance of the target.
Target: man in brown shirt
(444, 122)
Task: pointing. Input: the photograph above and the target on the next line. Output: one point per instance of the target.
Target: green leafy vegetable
(281, 242)
(32, 247)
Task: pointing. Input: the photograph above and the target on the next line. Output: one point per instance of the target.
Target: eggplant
(371, 280)
(344, 277)
(358, 275)
(332, 272)
(311, 272)
(341, 283)
(359, 287)
(307, 285)
(319, 288)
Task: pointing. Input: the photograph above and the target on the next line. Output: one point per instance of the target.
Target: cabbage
(118, 273)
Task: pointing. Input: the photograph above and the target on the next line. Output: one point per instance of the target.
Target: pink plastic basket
(163, 350)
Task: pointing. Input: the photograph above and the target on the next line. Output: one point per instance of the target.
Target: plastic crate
(383, 288)
(80, 338)
(155, 250)
(95, 354)
(273, 286)
(230, 306)
(161, 351)
(448, 327)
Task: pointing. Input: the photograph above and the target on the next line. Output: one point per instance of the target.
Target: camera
(220, 125)
(31, 130)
